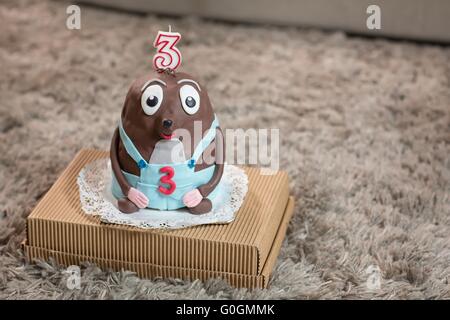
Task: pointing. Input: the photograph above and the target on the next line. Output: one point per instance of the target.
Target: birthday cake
(167, 164)
(167, 152)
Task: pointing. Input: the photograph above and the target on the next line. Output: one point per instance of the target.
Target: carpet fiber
(365, 137)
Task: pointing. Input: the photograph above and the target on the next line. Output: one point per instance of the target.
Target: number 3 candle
(167, 54)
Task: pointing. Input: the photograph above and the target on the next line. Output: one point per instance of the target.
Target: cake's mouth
(166, 136)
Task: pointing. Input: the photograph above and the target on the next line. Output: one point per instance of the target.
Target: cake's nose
(167, 123)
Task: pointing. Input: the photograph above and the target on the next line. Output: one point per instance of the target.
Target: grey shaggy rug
(365, 137)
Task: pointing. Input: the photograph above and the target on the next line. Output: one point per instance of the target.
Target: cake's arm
(209, 187)
(113, 154)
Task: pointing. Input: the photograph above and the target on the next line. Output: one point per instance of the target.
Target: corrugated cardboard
(242, 252)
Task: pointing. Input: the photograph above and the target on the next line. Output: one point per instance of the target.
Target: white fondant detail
(191, 81)
(153, 90)
(153, 80)
(189, 91)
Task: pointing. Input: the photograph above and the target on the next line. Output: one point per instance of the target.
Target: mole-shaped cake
(167, 152)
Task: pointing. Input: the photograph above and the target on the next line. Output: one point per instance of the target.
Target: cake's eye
(190, 99)
(151, 99)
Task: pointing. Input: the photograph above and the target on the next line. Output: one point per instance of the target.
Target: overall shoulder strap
(206, 141)
(131, 149)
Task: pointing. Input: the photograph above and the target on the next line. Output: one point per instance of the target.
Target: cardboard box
(242, 252)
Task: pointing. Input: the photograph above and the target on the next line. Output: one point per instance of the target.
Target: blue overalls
(166, 184)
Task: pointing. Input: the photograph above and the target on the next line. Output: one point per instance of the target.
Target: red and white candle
(167, 54)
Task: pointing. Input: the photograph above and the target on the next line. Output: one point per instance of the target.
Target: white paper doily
(94, 182)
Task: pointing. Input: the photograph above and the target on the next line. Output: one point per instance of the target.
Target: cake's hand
(138, 198)
(192, 198)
